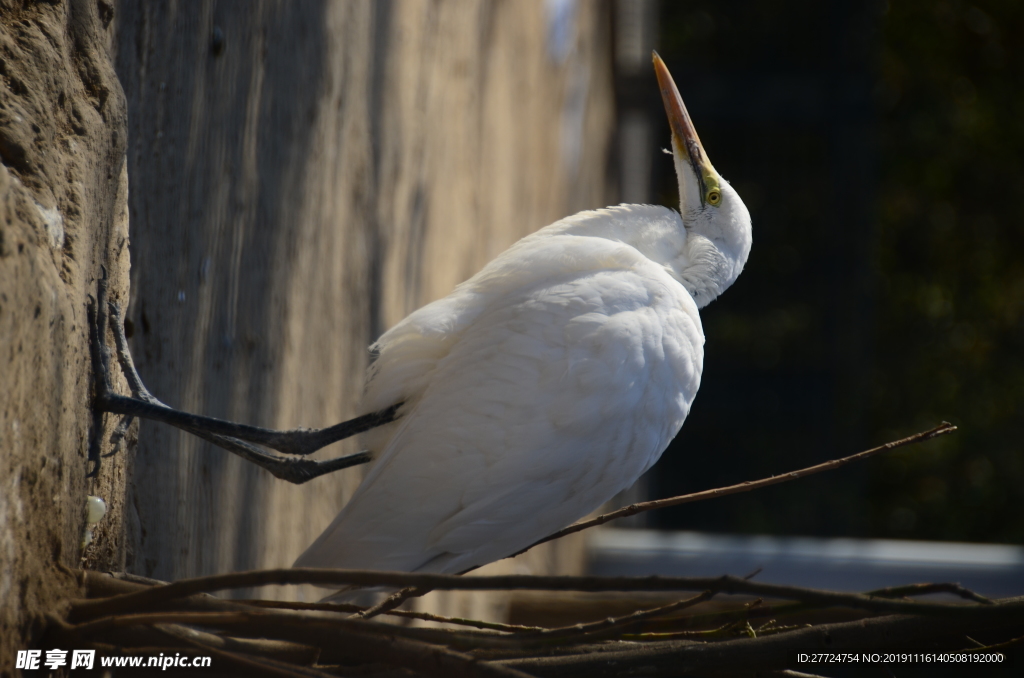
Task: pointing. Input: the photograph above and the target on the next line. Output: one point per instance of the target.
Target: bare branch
(407, 614)
(633, 509)
(251, 665)
(392, 602)
(103, 585)
(925, 589)
(90, 609)
(606, 628)
(418, 649)
(760, 654)
(265, 622)
(277, 650)
(562, 652)
(998, 647)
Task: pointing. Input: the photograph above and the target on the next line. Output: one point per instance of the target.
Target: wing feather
(534, 393)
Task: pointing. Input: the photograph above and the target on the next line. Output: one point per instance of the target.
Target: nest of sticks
(725, 626)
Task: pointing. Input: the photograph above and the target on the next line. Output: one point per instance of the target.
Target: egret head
(709, 206)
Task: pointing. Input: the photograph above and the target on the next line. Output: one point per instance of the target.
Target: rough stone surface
(63, 215)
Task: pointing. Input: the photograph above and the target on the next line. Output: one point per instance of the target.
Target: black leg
(236, 438)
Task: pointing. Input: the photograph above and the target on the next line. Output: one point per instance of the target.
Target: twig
(770, 627)
(363, 640)
(458, 621)
(998, 646)
(235, 652)
(266, 623)
(766, 653)
(611, 627)
(392, 601)
(262, 666)
(90, 609)
(703, 633)
(282, 651)
(103, 585)
(633, 509)
(925, 589)
(791, 608)
(408, 614)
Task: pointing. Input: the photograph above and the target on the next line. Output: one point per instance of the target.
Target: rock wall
(63, 215)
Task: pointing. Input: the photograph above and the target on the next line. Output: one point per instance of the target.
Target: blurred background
(879, 148)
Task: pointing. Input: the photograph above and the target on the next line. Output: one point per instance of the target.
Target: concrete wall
(304, 174)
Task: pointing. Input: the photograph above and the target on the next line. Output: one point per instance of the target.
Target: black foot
(236, 438)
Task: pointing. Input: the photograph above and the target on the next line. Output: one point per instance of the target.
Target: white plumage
(546, 383)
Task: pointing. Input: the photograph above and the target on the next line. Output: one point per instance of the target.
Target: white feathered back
(534, 392)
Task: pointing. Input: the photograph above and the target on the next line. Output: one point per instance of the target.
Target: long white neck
(692, 253)
(718, 243)
(718, 237)
(706, 271)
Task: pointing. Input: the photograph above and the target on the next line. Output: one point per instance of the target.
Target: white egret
(544, 384)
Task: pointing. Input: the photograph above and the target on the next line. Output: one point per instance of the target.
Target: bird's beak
(683, 133)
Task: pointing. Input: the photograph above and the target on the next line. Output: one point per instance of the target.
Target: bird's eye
(714, 197)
